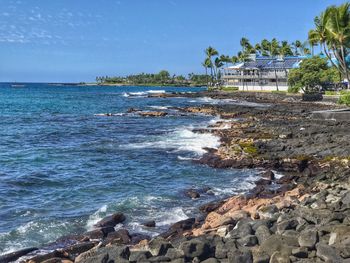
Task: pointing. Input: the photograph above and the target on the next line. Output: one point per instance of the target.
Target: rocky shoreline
(299, 210)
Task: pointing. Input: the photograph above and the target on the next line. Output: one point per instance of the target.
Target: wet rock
(179, 227)
(16, 255)
(196, 248)
(120, 236)
(328, 253)
(159, 246)
(210, 207)
(79, 248)
(131, 110)
(153, 113)
(151, 223)
(192, 193)
(99, 233)
(263, 182)
(308, 238)
(112, 220)
(268, 175)
(54, 254)
(137, 238)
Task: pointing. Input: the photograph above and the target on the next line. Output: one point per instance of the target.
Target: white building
(261, 73)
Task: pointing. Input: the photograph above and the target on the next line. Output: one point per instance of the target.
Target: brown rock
(153, 113)
(112, 220)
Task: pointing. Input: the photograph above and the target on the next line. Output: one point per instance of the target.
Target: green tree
(311, 75)
(286, 49)
(164, 76)
(265, 46)
(210, 53)
(207, 64)
(332, 32)
(297, 45)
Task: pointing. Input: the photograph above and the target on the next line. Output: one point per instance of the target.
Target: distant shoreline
(107, 84)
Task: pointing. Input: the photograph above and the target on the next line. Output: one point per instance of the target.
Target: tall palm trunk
(345, 66)
(274, 66)
(206, 75)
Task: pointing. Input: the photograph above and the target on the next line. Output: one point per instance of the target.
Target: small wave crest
(159, 107)
(95, 217)
(182, 139)
(142, 93)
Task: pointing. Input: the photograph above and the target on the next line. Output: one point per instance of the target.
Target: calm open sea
(63, 166)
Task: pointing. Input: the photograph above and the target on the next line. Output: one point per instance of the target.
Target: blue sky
(76, 40)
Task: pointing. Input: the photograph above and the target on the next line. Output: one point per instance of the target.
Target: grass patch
(344, 92)
(248, 147)
(344, 99)
(330, 93)
(229, 88)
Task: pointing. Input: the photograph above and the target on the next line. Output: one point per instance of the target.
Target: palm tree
(244, 43)
(234, 59)
(218, 64)
(338, 25)
(258, 48)
(274, 47)
(207, 64)
(242, 56)
(297, 45)
(225, 59)
(286, 49)
(211, 52)
(312, 43)
(265, 45)
(332, 31)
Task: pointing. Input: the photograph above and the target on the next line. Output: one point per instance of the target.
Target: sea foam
(181, 139)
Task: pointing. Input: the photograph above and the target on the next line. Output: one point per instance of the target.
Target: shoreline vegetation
(326, 71)
(163, 78)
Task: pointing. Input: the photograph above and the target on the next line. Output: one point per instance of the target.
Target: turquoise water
(64, 166)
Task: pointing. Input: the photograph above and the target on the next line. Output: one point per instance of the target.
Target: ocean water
(64, 166)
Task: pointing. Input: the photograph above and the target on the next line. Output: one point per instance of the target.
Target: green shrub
(345, 99)
(344, 92)
(293, 89)
(330, 92)
(311, 75)
(229, 88)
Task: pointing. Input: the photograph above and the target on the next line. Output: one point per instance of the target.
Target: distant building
(261, 73)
